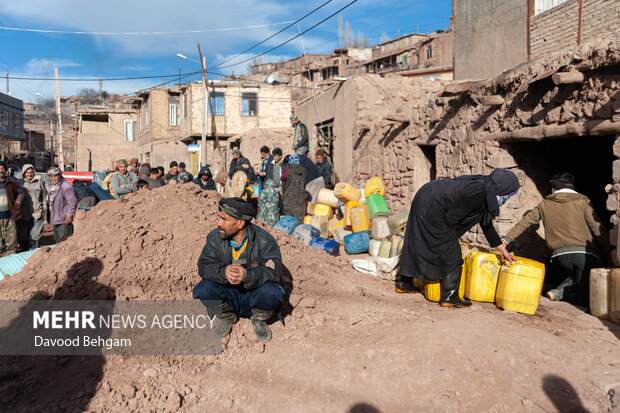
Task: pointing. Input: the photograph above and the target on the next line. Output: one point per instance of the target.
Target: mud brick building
(557, 113)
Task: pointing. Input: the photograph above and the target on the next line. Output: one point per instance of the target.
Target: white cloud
(44, 66)
(148, 16)
(137, 68)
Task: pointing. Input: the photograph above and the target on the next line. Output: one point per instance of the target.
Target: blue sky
(31, 54)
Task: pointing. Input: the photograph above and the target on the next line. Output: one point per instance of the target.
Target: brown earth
(350, 343)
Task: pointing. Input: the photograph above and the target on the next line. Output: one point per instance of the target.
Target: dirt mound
(349, 344)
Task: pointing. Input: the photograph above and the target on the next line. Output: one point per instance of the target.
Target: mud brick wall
(557, 28)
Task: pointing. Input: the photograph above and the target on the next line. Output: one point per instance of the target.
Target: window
(398, 44)
(5, 117)
(383, 48)
(429, 51)
(185, 111)
(391, 46)
(248, 101)
(146, 115)
(16, 120)
(403, 60)
(310, 59)
(140, 119)
(295, 81)
(408, 40)
(174, 112)
(217, 102)
(130, 130)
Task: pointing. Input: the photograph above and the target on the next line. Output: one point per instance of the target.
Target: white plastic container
(600, 291)
(380, 228)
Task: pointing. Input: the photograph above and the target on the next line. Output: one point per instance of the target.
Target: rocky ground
(350, 344)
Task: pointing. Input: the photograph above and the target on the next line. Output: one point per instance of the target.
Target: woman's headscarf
(293, 160)
(505, 182)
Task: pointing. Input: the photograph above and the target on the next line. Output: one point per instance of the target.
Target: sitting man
(240, 266)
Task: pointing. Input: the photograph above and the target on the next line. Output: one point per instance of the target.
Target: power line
(272, 36)
(256, 26)
(110, 79)
(289, 40)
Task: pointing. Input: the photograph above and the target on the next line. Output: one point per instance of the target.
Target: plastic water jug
(373, 247)
(346, 192)
(519, 286)
(380, 228)
(287, 224)
(331, 225)
(467, 248)
(340, 233)
(305, 233)
(320, 222)
(310, 208)
(360, 218)
(327, 197)
(432, 290)
(322, 209)
(377, 206)
(398, 223)
(600, 291)
(384, 248)
(481, 276)
(357, 242)
(374, 186)
(329, 246)
(614, 297)
(307, 219)
(346, 216)
(397, 246)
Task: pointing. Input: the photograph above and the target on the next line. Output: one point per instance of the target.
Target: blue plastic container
(287, 224)
(329, 246)
(357, 242)
(306, 233)
(12, 264)
(99, 192)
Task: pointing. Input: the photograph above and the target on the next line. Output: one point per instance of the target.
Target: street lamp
(203, 139)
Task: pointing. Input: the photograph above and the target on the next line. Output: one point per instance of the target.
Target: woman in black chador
(441, 212)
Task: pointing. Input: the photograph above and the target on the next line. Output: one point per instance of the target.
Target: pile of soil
(349, 344)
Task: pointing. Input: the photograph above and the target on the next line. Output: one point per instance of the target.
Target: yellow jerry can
(481, 276)
(519, 285)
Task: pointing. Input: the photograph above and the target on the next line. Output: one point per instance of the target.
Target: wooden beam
(456, 89)
(399, 117)
(491, 100)
(361, 125)
(567, 78)
(536, 133)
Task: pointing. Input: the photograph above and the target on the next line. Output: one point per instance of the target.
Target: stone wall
(557, 27)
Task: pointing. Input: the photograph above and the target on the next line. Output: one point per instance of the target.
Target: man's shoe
(259, 321)
(405, 286)
(227, 319)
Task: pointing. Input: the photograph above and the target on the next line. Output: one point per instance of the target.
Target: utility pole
(61, 155)
(203, 138)
(217, 139)
(51, 144)
(7, 81)
(75, 138)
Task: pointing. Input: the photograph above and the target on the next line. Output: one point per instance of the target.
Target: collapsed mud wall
(570, 101)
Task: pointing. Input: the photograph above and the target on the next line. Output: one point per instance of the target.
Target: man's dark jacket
(264, 259)
(325, 168)
(205, 186)
(15, 196)
(310, 167)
